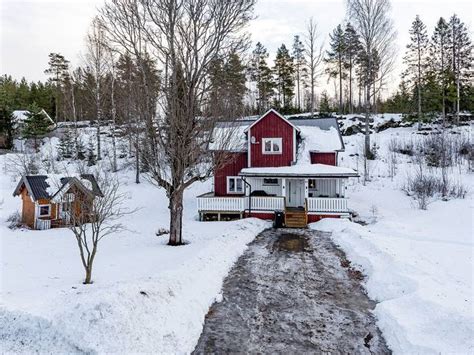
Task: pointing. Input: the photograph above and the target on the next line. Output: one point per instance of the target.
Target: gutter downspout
(250, 194)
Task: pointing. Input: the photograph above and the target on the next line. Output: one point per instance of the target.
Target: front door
(295, 193)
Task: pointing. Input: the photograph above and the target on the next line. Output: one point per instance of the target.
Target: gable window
(272, 145)
(270, 181)
(235, 185)
(44, 210)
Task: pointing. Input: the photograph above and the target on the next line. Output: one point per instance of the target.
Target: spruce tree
(66, 145)
(301, 71)
(324, 105)
(261, 74)
(352, 50)
(336, 59)
(439, 55)
(416, 59)
(461, 58)
(284, 78)
(36, 126)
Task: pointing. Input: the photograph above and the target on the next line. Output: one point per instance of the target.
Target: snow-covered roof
(229, 136)
(306, 170)
(319, 134)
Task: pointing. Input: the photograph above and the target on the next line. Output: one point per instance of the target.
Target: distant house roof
(38, 186)
(20, 116)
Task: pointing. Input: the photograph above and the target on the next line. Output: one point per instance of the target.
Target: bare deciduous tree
(96, 59)
(92, 218)
(314, 57)
(375, 29)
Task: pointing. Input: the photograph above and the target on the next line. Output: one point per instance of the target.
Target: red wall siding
(260, 215)
(271, 126)
(323, 158)
(238, 161)
(317, 217)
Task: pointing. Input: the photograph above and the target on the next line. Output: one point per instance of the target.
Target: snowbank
(419, 264)
(146, 296)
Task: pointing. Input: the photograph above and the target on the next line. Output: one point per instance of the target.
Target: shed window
(272, 145)
(235, 185)
(44, 210)
(270, 181)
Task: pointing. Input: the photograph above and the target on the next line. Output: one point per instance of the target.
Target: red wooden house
(279, 164)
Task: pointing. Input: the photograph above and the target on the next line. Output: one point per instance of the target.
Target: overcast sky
(31, 29)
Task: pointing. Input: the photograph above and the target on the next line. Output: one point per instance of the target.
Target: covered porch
(317, 190)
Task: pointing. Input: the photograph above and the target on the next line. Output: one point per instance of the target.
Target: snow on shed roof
(20, 116)
(307, 170)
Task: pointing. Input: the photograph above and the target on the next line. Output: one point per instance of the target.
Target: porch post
(283, 187)
(306, 190)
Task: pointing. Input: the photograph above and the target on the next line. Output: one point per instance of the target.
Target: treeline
(438, 71)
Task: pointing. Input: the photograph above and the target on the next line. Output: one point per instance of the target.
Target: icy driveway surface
(292, 291)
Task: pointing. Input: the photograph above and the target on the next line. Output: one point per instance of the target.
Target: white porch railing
(223, 204)
(315, 204)
(265, 203)
(43, 224)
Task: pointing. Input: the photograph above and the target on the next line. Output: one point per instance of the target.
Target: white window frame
(44, 215)
(279, 141)
(270, 184)
(235, 178)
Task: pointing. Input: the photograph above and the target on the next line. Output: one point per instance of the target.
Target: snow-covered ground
(149, 297)
(419, 263)
(146, 296)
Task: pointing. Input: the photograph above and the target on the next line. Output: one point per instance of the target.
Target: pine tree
(80, 150)
(284, 77)
(36, 126)
(324, 105)
(416, 59)
(336, 59)
(301, 71)
(353, 48)
(261, 74)
(227, 86)
(439, 54)
(461, 58)
(58, 68)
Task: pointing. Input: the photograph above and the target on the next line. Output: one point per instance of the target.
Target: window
(270, 181)
(312, 183)
(272, 145)
(235, 185)
(44, 210)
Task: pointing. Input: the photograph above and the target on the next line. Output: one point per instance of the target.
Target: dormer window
(271, 145)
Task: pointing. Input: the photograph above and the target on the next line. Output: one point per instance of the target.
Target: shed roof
(39, 188)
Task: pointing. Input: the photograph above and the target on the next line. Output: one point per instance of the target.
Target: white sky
(31, 29)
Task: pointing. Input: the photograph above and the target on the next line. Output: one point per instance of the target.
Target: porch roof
(304, 171)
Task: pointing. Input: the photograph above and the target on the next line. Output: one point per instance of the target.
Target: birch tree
(96, 59)
(314, 57)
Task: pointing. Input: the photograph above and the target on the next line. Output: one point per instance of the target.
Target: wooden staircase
(296, 218)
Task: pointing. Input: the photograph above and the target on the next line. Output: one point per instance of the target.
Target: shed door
(295, 193)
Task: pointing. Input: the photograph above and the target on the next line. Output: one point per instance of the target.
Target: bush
(14, 220)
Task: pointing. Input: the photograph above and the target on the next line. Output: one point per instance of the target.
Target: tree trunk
(340, 86)
(351, 107)
(176, 217)
(88, 279)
